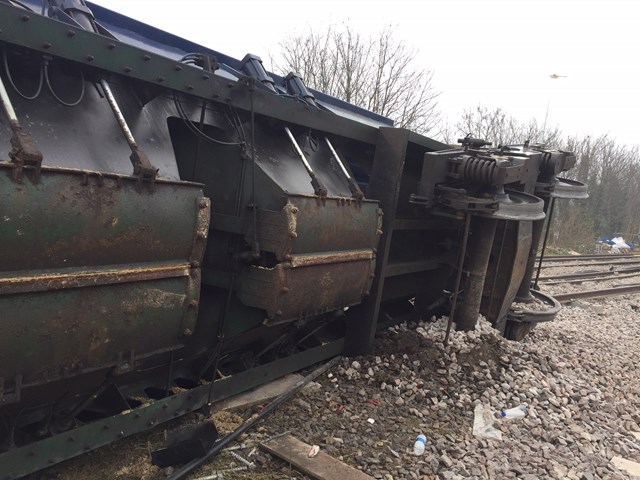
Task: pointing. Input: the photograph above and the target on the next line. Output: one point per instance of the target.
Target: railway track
(592, 276)
(605, 292)
(595, 263)
(562, 258)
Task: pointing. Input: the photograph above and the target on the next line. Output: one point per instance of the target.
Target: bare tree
(500, 128)
(376, 73)
(610, 170)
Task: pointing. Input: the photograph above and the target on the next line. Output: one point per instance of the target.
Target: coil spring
(548, 163)
(479, 170)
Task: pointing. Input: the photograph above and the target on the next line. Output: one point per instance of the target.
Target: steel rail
(595, 263)
(596, 279)
(560, 258)
(605, 292)
(591, 274)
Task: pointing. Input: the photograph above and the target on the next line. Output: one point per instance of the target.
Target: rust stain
(331, 257)
(76, 279)
(154, 298)
(138, 236)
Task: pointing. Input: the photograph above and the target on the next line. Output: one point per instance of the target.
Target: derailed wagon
(169, 214)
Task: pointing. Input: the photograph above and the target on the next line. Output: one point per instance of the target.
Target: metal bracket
(24, 153)
(142, 167)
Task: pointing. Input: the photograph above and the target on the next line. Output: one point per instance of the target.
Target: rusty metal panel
(326, 253)
(309, 224)
(76, 218)
(308, 284)
(48, 335)
(96, 270)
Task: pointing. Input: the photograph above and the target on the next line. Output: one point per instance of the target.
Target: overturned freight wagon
(169, 213)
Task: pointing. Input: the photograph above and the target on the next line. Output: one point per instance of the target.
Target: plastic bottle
(418, 447)
(515, 412)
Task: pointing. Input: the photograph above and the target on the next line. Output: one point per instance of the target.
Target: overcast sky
(491, 52)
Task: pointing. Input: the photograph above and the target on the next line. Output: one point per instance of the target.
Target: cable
(312, 141)
(10, 78)
(194, 129)
(53, 93)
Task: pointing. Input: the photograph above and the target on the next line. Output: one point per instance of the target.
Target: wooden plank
(260, 394)
(322, 466)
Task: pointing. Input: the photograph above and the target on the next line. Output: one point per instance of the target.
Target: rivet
(205, 77)
(193, 303)
(177, 68)
(146, 58)
(216, 95)
(71, 33)
(279, 313)
(90, 58)
(189, 87)
(187, 332)
(152, 422)
(284, 290)
(121, 434)
(127, 69)
(229, 85)
(195, 264)
(161, 79)
(203, 204)
(25, 18)
(200, 235)
(111, 46)
(46, 45)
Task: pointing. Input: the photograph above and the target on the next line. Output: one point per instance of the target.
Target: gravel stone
(579, 376)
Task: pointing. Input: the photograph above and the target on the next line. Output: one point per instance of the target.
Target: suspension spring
(479, 170)
(548, 163)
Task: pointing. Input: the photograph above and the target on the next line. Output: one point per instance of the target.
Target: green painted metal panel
(76, 218)
(96, 270)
